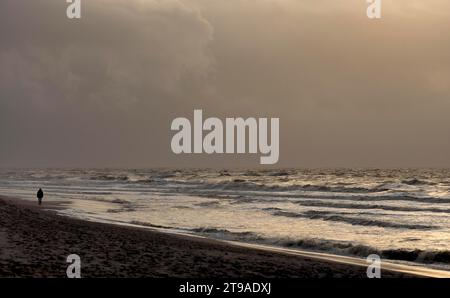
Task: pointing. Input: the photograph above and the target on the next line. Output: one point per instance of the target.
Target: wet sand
(35, 243)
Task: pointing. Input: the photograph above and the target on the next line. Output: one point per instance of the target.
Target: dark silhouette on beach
(40, 195)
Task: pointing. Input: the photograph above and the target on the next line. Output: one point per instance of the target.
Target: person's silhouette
(40, 195)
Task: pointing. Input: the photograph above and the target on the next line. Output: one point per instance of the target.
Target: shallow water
(400, 214)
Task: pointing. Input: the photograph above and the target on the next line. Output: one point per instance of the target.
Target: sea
(400, 214)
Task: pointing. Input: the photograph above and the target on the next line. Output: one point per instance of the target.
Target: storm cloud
(101, 91)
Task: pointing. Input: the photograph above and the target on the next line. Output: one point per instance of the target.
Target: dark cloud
(96, 91)
(102, 91)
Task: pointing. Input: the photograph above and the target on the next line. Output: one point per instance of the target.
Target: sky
(102, 91)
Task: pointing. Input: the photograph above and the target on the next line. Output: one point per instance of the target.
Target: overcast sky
(102, 91)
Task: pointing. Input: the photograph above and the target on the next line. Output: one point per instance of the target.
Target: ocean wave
(331, 246)
(225, 234)
(415, 181)
(208, 204)
(124, 206)
(245, 187)
(417, 255)
(246, 184)
(278, 173)
(391, 197)
(327, 216)
(95, 192)
(311, 203)
(146, 224)
(106, 177)
(288, 182)
(340, 189)
(420, 256)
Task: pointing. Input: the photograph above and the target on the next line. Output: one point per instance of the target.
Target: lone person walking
(40, 195)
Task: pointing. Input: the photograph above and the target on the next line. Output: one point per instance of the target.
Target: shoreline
(36, 243)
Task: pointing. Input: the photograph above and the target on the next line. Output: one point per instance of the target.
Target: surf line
(235, 136)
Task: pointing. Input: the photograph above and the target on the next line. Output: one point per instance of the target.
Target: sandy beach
(35, 243)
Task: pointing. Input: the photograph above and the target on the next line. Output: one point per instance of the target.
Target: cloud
(65, 78)
(349, 91)
(102, 91)
(116, 54)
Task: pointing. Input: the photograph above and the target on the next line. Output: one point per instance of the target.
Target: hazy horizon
(101, 92)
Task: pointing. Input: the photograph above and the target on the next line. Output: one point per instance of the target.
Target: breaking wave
(311, 203)
(346, 248)
(331, 246)
(225, 234)
(351, 220)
